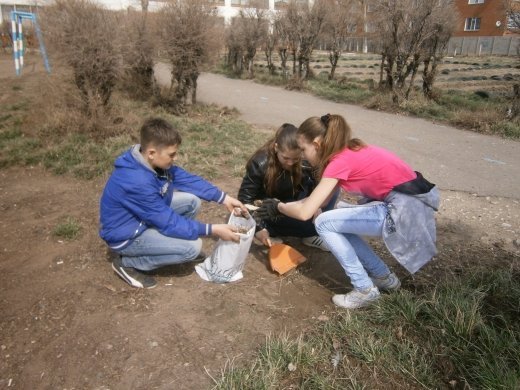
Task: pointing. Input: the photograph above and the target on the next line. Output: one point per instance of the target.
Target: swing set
(17, 34)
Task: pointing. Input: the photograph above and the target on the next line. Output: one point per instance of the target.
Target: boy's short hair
(160, 133)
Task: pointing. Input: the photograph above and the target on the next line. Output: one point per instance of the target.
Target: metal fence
(466, 46)
(471, 46)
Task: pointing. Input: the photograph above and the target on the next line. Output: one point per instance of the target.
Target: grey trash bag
(228, 259)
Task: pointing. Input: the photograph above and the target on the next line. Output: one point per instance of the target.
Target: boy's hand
(232, 203)
(226, 232)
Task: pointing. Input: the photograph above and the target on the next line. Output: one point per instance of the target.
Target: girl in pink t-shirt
(397, 199)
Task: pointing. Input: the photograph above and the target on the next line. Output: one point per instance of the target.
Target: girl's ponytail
(335, 134)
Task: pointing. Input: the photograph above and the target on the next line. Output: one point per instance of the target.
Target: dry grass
(47, 126)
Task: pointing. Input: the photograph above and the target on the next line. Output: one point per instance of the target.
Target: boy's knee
(194, 249)
(196, 203)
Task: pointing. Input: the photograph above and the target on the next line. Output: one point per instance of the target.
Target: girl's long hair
(286, 140)
(335, 134)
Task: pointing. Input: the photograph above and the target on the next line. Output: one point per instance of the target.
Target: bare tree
(235, 51)
(405, 28)
(246, 34)
(271, 40)
(252, 28)
(189, 36)
(364, 4)
(288, 42)
(138, 53)
(305, 23)
(512, 11)
(442, 25)
(82, 35)
(340, 23)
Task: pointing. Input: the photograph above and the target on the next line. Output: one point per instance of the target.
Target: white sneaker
(316, 242)
(389, 282)
(356, 298)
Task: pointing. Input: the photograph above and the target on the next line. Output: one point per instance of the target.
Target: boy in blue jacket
(149, 205)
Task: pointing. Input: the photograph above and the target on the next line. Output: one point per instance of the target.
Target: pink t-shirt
(370, 171)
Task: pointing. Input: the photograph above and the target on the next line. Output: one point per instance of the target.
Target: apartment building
(482, 18)
(6, 6)
(227, 9)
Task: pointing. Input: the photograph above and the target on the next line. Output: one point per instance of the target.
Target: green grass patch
(509, 129)
(67, 229)
(456, 107)
(215, 146)
(342, 92)
(426, 109)
(276, 79)
(463, 332)
(215, 143)
(456, 100)
(83, 157)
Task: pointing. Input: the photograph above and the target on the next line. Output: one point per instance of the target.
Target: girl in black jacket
(276, 170)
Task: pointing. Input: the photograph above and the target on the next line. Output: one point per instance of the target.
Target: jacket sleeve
(148, 205)
(252, 187)
(308, 180)
(196, 185)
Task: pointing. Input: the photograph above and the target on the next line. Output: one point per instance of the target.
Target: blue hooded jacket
(136, 198)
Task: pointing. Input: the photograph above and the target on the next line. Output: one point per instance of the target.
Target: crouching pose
(276, 170)
(398, 204)
(149, 205)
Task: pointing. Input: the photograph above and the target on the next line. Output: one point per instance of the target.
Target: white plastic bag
(227, 260)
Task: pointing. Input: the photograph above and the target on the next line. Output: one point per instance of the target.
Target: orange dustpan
(284, 258)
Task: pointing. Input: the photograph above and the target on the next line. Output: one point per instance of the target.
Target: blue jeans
(152, 250)
(341, 230)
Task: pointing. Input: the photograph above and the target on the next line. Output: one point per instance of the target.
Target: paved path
(453, 159)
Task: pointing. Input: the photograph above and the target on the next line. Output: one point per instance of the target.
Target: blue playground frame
(17, 35)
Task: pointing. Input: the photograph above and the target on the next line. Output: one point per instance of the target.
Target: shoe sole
(388, 289)
(396, 287)
(128, 279)
(358, 306)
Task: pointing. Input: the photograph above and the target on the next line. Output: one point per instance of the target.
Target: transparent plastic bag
(228, 258)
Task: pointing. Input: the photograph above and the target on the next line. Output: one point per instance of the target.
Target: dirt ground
(68, 322)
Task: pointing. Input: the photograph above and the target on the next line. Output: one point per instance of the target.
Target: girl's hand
(268, 209)
(263, 237)
(225, 232)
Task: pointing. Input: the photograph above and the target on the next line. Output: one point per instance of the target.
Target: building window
(252, 3)
(240, 3)
(513, 21)
(370, 27)
(280, 4)
(475, 1)
(352, 28)
(472, 24)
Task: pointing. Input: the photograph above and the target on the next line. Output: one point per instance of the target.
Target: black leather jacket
(253, 187)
